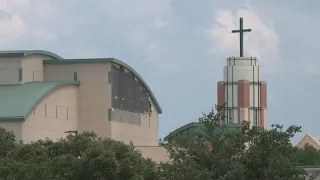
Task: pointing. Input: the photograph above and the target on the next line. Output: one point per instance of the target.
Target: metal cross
(241, 31)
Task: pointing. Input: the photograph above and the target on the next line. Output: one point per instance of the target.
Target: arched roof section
(18, 101)
(183, 128)
(20, 53)
(197, 128)
(110, 60)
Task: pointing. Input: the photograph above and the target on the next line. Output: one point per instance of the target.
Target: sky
(180, 47)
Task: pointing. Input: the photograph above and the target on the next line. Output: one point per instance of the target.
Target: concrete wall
(146, 134)
(56, 114)
(32, 68)
(9, 70)
(94, 102)
(156, 153)
(312, 171)
(14, 127)
(94, 93)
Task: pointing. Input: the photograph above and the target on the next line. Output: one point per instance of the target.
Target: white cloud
(10, 6)
(158, 22)
(137, 8)
(262, 42)
(308, 66)
(83, 51)
(45, 35)
(12, 26)
(3, 5)
(11, 29)
(15, 25)
(45, 23)
(153, 45)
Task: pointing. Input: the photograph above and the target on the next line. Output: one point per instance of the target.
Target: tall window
(129, 94)
(241, 118)
(230, 114)
(255, 117)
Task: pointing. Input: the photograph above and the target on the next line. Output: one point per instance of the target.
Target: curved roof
(109, 60)
(17, 53)
(183, 129)
(197, 126)
(18, 101)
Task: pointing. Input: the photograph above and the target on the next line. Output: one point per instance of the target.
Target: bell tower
(242, 91)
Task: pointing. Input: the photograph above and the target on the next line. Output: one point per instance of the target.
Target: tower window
(255, 117)
(230, 114)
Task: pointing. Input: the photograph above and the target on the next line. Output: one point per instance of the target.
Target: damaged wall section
(130, 98)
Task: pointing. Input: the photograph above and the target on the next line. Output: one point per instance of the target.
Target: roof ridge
(10, 53)
(314, 139)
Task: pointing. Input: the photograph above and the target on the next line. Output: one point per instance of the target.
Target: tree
(307, 156)
(83, 156)
(7, 142)
(249, 153)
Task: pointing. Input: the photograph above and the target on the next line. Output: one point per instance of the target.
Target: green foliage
(308, 156)
(272, 155)
(7, 142)
(218, 155)
(214, 153)
(83, 156)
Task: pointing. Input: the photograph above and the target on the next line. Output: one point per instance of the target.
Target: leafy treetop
(83, 156)
(249, 154)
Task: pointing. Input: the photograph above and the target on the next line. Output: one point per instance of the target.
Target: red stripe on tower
(243, 94)
(220, 94)
(263, 94)
(263, 103)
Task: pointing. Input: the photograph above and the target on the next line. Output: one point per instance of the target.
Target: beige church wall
(142, 132)
(56, 114)
(93, 93)
(153, 118)
(9, 70)
(140, 136)
(94, 102)
(307, 140)
(156, 153)
(59, 72)
(14, 127)
(32, 67)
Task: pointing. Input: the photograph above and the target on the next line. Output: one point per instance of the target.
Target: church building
(45, 96)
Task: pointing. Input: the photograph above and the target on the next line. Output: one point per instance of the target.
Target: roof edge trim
(28, 53)
(12, 119)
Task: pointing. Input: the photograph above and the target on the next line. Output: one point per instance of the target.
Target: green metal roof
(18, 101)
(109, 60)
(19, 53)
(196, 127)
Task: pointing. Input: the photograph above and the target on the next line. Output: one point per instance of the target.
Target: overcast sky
(179, 47)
